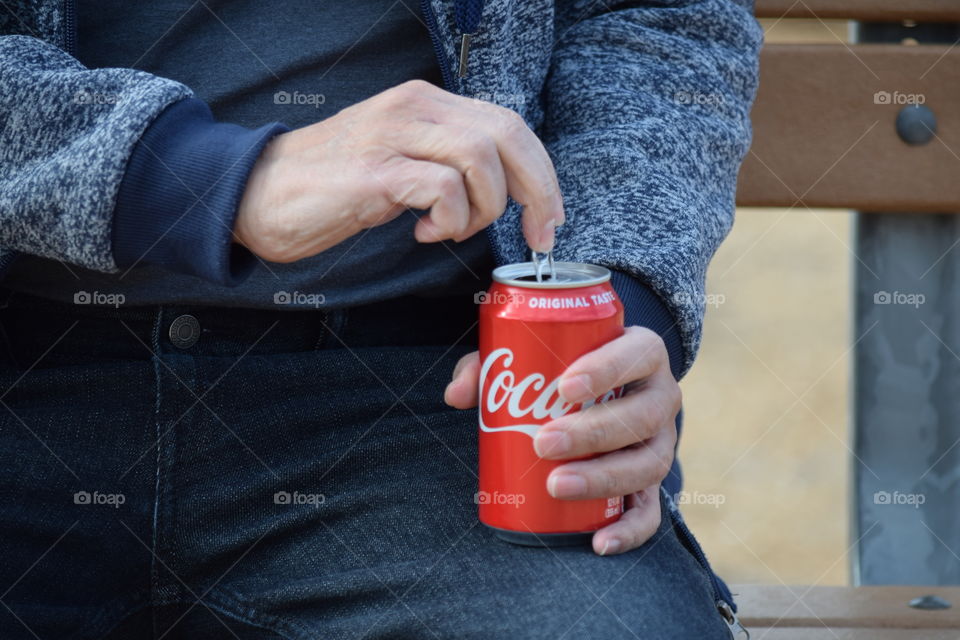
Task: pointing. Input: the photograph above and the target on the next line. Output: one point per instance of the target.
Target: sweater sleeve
(178, 198)
(66, 135)
(646, 116)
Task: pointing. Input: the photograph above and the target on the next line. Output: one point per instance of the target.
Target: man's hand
(413, 146)
(634, 434)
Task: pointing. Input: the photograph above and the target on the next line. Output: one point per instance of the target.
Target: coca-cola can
(530, 332)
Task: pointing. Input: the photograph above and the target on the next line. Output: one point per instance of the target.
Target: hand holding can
(622, 447)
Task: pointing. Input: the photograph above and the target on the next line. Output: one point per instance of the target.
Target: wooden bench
(855, 613)
(875, 127)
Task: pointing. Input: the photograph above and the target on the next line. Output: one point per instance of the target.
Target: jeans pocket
(721, 593)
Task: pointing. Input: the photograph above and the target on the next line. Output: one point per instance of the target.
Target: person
(240, 247)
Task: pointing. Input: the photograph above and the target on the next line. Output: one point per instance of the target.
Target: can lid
(567, 275)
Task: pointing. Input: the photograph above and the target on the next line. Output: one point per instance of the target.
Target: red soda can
(530, 332)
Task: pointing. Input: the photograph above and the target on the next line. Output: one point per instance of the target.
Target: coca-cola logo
(531, 397)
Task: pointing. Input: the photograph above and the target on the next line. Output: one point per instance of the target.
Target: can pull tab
(737, 630)
(541, 261)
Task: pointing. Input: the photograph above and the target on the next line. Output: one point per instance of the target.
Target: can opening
(566, 275)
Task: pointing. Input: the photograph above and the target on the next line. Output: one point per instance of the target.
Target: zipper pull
(737, 630)
(464, 53)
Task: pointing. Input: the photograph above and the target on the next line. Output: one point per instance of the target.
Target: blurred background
(765, 450)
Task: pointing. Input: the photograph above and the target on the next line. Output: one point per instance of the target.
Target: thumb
(461, 393)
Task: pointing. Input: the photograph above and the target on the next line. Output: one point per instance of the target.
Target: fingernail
(566, 485)
(612, 545)
(577, 388)
(551, 443)
(547, 236)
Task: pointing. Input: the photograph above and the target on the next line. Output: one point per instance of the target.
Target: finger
(638, 524)
(462, 391)
(608, 426)
(471, 152)
(418, 184)
(617, 473)
(530, 174)
(634, 356)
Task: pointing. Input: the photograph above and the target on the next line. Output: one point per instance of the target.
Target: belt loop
(334, 322)
(155, 332)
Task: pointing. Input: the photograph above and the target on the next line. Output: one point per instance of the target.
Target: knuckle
(643, 531)
(647, 338)
(414, 87)
(661, 467)
(549, 189)
(647, 532)
(449, 182)
(607, 375)
(608, 483)
(675, 395)
(481, 147)
(512, 123)
(407, 94)
(655, 414)
(596, 432)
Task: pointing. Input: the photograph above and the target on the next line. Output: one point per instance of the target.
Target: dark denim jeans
(290, 475)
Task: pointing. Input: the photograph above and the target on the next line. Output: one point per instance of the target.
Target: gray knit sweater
(643, 107)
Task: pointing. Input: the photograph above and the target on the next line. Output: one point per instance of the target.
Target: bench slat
(821, 633)
(816, 101)
(877, 10)
(844, 607)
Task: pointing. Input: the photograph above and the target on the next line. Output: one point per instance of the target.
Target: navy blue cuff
(179, 196)
(643, 307)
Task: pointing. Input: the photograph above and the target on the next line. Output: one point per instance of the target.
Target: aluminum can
(530, 332)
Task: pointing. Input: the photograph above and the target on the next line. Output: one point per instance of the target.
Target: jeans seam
(154, 569)
(233, 603)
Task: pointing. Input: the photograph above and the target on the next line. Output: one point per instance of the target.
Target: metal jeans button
(184, 331)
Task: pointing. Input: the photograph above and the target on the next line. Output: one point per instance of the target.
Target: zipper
(454, 86)
(467, 16)
(722, 597)
(434, 30)
(70, 26)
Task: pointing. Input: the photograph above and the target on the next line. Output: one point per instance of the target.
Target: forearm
(648, 176)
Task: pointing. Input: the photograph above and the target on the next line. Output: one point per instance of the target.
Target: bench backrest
(824, 122)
